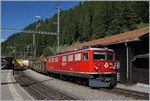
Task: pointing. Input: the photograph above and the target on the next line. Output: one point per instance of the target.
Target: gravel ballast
(80, 91)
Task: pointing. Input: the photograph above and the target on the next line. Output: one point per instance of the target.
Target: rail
(40, 91)
(128, 93)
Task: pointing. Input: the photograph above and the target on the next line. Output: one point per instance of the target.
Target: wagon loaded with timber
(37, 65)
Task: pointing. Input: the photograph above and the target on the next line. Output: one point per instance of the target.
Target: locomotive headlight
(106, 64)
(113, 67)
(96, 68)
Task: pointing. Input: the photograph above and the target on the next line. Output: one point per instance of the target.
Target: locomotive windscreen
(110, 55)
(99, 55)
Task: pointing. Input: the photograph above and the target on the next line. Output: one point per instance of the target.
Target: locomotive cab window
(110, 55)
(85, 56)
(99, 55)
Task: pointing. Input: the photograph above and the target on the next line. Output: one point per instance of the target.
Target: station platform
(10, 89)
(136, 87)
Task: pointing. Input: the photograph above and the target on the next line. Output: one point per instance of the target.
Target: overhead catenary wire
(33, 10)
(54, 7)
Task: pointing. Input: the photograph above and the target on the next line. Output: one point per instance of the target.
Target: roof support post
(128, 64)
(127, 73)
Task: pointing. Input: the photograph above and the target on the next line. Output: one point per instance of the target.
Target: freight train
(93, 66)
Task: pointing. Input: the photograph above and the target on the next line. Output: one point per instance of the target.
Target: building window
(85, 56)
(56, 59)
(77, 57)
(64, 59)
(70, 57)
(52, 59)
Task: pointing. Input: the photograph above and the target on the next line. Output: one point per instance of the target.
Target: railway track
(128, 93)
(40, 91)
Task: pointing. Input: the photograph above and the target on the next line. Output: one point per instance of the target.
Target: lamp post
(36, 27)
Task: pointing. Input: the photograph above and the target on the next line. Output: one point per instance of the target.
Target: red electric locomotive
(93, 64)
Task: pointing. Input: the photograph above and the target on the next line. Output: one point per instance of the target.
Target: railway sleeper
(41, 91)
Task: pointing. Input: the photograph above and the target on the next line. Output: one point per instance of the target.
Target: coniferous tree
(88, 20)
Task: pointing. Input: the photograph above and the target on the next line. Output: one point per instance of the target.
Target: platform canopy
(115, 39)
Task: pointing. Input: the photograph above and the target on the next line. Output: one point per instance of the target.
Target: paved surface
(10, 89)
(136, 87)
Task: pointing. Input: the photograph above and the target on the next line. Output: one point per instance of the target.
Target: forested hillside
(87, 21)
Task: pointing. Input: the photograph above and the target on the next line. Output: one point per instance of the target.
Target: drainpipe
(127, 55)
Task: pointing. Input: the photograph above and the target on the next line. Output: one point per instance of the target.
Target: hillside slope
(88, 21)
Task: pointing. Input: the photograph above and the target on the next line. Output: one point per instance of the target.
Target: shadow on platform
(5, 83)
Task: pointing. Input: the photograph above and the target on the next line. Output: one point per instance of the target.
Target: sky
(19, 14)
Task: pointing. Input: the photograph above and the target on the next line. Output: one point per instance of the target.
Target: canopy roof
(119, 38)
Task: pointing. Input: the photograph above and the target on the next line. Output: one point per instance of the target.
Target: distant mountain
(87, 21)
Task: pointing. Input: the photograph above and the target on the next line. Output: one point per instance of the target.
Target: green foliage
(141, 25)
(87, 21)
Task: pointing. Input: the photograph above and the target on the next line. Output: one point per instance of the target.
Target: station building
(132, 53)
